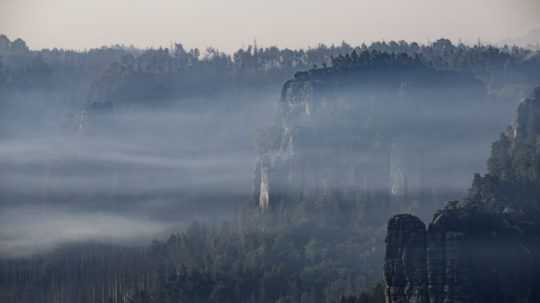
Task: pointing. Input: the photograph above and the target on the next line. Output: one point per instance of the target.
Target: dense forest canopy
(182, 72)
(66, 81)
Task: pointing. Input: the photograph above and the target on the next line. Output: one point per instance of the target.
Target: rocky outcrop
(405, 270)
(369, 135)
(308, 158)
(485, 248)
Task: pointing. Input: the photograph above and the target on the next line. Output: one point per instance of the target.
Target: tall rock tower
(485, 248)
(368, 135)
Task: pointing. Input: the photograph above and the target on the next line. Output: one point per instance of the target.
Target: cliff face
(405, 258)
(309, 158)
(487, 247)
(372, 138)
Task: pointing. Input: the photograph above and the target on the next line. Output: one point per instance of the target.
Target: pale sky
(230, 24)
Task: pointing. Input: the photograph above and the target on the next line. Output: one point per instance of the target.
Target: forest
(337, 103)
(178, 73)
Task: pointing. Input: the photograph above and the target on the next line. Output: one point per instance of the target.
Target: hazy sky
(229, 24)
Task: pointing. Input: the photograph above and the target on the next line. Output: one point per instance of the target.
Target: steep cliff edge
(485, 248)
(370, 134)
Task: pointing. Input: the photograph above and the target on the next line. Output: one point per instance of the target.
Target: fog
(130, 175)
(129, 145)
(29, 229)
(135, 173)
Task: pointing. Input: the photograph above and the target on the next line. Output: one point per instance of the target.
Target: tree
(19, 46)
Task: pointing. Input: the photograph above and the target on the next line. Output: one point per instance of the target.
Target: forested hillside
(294, 190)
(117, 71)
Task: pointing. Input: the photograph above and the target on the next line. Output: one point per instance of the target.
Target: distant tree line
(134, 75)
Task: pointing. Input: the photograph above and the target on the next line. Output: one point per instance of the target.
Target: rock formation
(405, 268)
(356, 134)
(485, 248)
